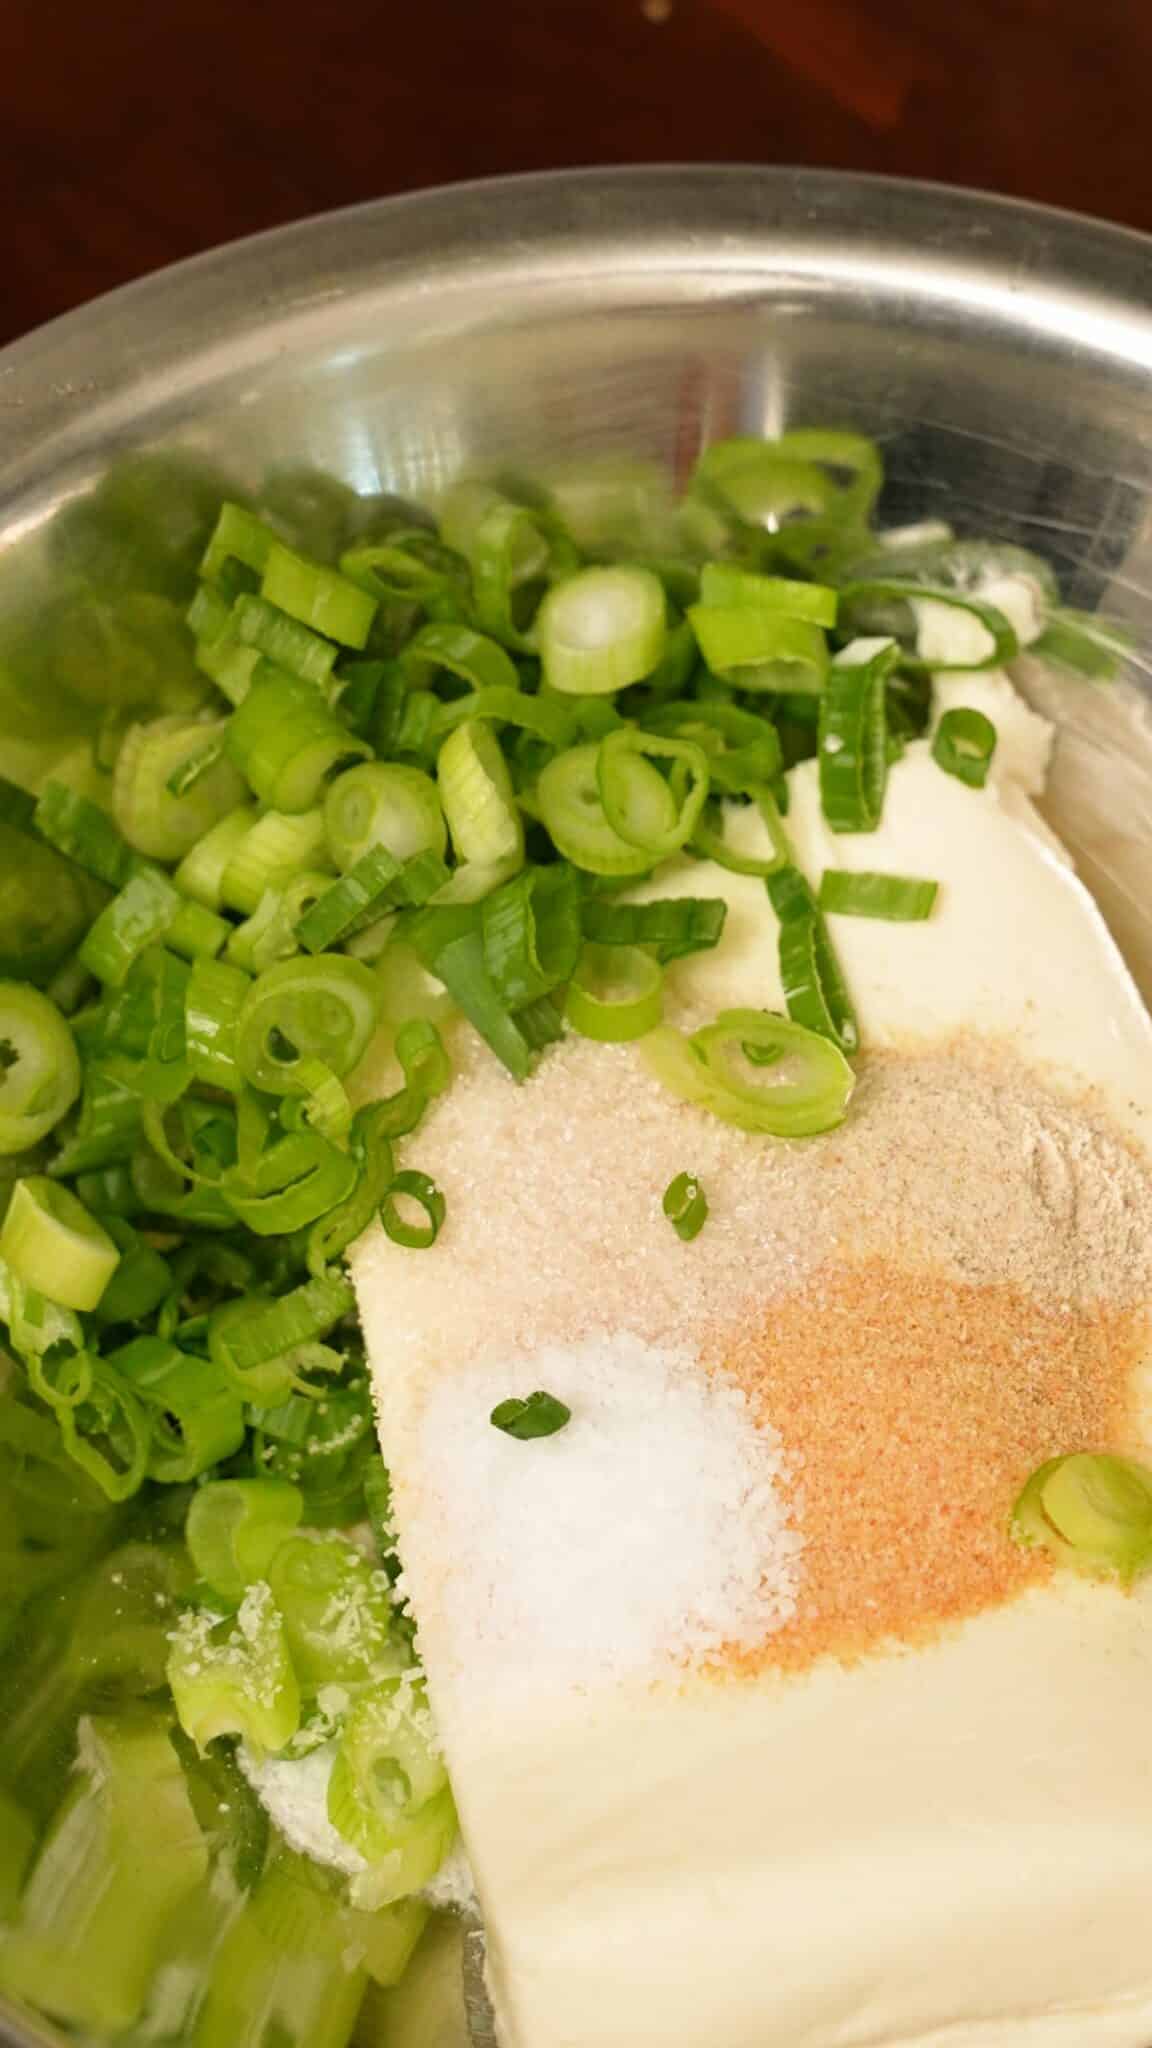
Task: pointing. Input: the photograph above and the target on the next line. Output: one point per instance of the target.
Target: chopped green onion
(39, 1067)
(626, 789)
(197, 933)
(235, 1526)
(572, 809)
(156, 819)
(388, 1794)
(315, 1579)
(531, 932)
(725, 586)
(235, 1676)
(238, 537)
(142, 913)
(123, 1855)
(325, 1008)
(537, 1415)
(52, 1243)
(547, 718)
(369, 1143)
(270, 854)
(215, 997)
(810, 1082)
(478, 661)
(1092, 1511)
(448, 940)
(378, 882)
(814, 989)
(411, 1186)
(201, 872)
(856, 893)
(300, 1178)
(272, 931)
(671, 928)
(509, 552)
(46, 906)
(711, 842)
(686, 1206)
(963, 745)
(283, 640)
(318, 597)
(601, 630)
(142, 1279)
(197, 1419)
(853, 736)
(79, 828)
(287, 743)
(476, 792)
(892, 604)
(616, 994)
(383, 804)
(758, 649)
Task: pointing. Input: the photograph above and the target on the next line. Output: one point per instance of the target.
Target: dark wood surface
(134, 132)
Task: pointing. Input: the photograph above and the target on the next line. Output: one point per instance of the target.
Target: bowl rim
(806, 183)
(669, 214)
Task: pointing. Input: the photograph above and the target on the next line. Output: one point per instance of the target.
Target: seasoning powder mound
(651, 1531)
(922, 1406)
(938, 1290)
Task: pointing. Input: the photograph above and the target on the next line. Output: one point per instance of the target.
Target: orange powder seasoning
(915, 1408)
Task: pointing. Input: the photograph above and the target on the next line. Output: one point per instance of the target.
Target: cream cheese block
(695, 1812)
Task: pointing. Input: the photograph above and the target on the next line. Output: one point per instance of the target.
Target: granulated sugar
(650, 1530)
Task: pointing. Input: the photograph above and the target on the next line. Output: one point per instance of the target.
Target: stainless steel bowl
(1001, 353)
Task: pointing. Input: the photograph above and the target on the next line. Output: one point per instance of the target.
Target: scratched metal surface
(1001, 353)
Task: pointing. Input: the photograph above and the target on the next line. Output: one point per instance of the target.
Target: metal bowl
(1001, 353)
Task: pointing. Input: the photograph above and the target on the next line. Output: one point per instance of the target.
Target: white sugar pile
(648, 1532)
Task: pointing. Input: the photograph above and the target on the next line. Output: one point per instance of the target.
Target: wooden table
(135, 132)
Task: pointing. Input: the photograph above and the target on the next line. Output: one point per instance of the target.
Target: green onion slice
(286, 742)
(601, 630)
(616, 994)
(686, 1206)
(814, 988)
(759, 649)
(171, 786)
(671, 928)
(52, 1243)
(888, 604)
(411, 1186)
(535, 1415)
(624, 779)
(383, 804)
(270, 855)
(325, 1008)
(963, 745)
(860, 893)
(853, 736)
(531, 933)
(809, 1081)
(320, 598)
(572, 809)
(477, 795)
(235, 1527)
(725, 586)
(215, 996)
(39, 1067)
(1091, 1511)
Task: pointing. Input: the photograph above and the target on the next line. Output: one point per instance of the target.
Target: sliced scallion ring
(53, 1244)
(616, 994)
(1092, 1511)
(39, 1067)
(809, 1081)
(624, 779)
(601, 630)
(477, 795)
(153, 819)
(324, 1008)
(761, 649)
(963, 745)
(411, 1186)
(571, 808)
